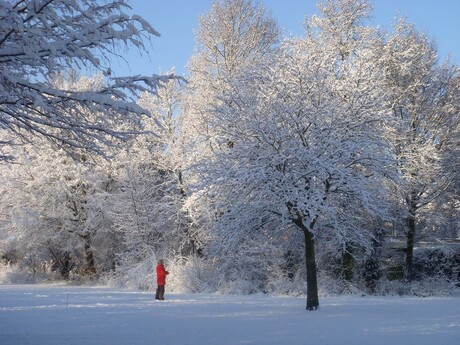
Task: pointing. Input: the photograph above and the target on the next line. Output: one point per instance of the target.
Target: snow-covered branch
(39, 39)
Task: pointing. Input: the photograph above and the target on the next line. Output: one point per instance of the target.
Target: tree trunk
(90, 265)
(410, 236)
(310, 263)
(312, 285)
(348, 264)
(194, 248)
(408, 272)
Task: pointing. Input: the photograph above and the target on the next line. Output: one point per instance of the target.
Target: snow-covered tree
(58, 204)
(450, 205)
(40, 38)
(232, 36)
(421, 95)
(104, 215)
(166, 108)
(57, 208)
(146, 204)
(306, 128)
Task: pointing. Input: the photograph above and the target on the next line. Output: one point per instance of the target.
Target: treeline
(322, 163)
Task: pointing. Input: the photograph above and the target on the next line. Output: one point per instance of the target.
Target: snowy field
(52, 315)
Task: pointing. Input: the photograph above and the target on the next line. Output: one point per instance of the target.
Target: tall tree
(305, 128)
(420, 93)
(232, 36)
(165, 108)
(148, 201)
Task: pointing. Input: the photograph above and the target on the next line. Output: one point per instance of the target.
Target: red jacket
(161, 274)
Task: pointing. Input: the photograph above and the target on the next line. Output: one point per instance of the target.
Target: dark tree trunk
(411, 201)
(312, 284)
(193, 249)
(61, 262)
(90, 265)
(410, 247)
(310, 263)
(348, 264)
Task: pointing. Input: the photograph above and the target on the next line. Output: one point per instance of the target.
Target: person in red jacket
(161, 280)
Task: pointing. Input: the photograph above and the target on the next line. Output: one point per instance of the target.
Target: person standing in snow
(161, 280)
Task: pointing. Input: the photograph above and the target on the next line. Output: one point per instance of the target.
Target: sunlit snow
(48, 315)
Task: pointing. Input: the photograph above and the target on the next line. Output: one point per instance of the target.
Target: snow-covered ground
(48, 315)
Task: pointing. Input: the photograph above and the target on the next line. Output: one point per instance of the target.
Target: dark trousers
(160, 292)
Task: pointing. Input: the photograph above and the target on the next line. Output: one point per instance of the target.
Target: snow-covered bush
(134, 274)
(26, 273)
(282, 282)
(192, 274)
(435, 262)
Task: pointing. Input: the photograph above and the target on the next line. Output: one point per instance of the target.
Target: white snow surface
(66, 315)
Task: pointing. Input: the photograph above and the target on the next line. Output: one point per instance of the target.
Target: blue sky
(176, 20)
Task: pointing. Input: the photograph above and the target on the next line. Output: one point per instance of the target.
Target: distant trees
(59, 203)
(100, 215)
